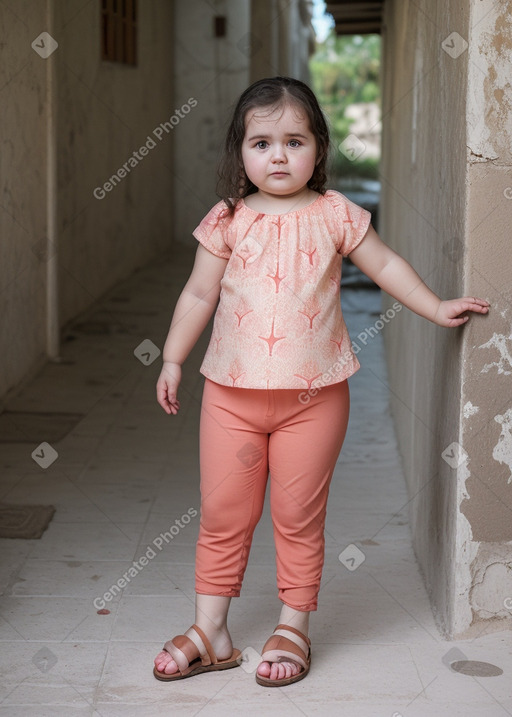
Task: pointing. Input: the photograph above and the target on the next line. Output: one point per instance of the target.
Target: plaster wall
(433, 203)
(283, 38)
(23, 205)
(215, 71)
(484, 590)
(264, 38)
(104, 112)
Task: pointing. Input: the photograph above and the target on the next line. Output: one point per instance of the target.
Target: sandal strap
(287, 647)
(210, 657)
(186, 646)
(190, 649)
(279, 648)
(294, 630)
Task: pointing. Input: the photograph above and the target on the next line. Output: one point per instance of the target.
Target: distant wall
(214, 71)
(264, 38)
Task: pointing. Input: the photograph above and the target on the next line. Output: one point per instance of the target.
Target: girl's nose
(278, 154)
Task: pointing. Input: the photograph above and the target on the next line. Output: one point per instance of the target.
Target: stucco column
(447, 207)
(484, 535)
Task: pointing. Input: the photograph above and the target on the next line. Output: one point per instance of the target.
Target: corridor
(125, 486)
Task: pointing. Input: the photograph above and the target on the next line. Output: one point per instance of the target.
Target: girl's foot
(286, 667)
(220, 640)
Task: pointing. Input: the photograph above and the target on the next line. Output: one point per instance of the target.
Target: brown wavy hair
(274, 92)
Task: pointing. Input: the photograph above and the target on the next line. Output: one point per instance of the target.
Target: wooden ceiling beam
(358, 28)
(355, 18)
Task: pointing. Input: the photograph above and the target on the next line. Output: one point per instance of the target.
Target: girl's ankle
(209, 626)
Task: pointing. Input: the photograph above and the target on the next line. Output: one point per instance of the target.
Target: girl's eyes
(263, 144)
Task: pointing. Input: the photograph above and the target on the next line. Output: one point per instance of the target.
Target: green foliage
(345, 69)
(340, 166)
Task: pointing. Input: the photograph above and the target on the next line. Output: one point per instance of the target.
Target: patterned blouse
(279, 322)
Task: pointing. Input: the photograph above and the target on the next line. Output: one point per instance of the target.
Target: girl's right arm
(193, 310)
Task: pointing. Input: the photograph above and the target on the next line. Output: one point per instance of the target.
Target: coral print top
(279, 322)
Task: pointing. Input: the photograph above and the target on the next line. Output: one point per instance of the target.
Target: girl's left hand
(448, 312)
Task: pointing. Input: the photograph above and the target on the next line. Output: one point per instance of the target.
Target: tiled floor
(127, 471)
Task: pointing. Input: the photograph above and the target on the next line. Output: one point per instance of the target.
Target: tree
(344, 70)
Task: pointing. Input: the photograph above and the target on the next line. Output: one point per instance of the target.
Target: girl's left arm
(397, 277)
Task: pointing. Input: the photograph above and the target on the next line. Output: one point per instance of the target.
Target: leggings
(244, 433)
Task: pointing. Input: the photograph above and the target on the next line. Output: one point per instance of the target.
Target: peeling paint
(466, 549)
(488, 593)
(503, 449)
(470, 410)
(476, 157)
(489, 78)
(499, 341)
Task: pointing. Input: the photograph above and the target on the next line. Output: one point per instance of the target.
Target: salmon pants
(245, 433)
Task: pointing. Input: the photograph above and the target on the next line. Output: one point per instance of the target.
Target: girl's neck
(280, 204)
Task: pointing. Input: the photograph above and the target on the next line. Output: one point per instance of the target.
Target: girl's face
(279, 150)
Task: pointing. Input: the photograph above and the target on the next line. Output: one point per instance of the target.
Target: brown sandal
(197, 662)
(277, 649)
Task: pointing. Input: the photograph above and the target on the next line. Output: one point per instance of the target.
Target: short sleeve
(212, 231)
(352, 222)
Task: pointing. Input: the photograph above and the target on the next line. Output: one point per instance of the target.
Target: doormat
(24, 521)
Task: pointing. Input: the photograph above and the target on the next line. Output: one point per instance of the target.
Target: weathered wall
(263, 38)
(23, 205)
(214, 71)
(105, 112)
(485, 492)
(430, 214)
(282, 38)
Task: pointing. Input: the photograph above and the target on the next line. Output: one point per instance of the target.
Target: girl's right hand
(167, 387)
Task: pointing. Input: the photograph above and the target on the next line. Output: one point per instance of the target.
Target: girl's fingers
(470, 303)
(161, 397)
(456, 321)
(174, 406)
(474, 301)
(167, 399)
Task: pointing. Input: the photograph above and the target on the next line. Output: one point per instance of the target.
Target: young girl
(272, 251)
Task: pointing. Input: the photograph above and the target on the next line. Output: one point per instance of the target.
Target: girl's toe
(171, 667)
(290, 669)
(278, 670)
(165, 663)
(264, 669)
